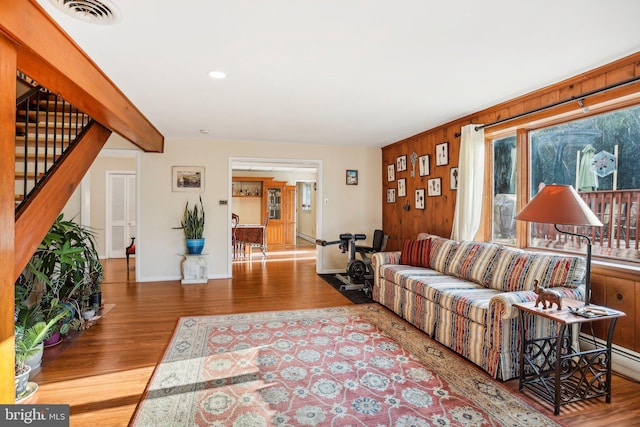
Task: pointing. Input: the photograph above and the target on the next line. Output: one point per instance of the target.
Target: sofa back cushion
(415, 253)
(441, 252)
(473, 261)
(515, 270)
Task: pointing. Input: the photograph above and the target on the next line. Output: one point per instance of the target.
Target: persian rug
(356, 296)
(357, 365)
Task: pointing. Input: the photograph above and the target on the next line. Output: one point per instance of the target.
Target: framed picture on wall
(391, 173)
(442, 154)
(423, 165)
(434, 187)
(391, 195)
(420, 198)
(402, 187)
(187, 178)
(454, 175)
(401, 163)
(352, 177)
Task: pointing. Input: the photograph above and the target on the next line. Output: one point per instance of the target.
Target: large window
(504, 190)
(600, 157)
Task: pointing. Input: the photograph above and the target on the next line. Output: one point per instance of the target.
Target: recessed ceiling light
(204, 131)
(217, 75)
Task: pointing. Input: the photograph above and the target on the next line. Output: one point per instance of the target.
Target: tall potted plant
(193, 226)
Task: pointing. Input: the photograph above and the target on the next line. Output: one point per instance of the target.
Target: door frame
(290, 162)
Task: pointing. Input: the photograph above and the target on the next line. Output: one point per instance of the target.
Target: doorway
(121, 212)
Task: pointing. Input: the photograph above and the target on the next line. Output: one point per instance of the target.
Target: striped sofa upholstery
(464, 298)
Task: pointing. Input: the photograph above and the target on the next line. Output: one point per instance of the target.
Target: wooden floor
(102, 373)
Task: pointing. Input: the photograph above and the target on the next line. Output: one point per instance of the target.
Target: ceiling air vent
(101, 12)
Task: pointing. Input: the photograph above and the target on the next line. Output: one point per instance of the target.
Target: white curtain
(466, 219)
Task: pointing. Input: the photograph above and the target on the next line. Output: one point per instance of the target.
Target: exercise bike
(359, 272)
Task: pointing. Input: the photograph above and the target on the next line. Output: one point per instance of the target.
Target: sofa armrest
(503, 303)
(382, 258)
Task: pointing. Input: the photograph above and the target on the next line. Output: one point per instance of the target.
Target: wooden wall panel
(438, 214)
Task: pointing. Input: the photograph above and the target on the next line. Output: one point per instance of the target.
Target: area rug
(356, 296)
(356, 365)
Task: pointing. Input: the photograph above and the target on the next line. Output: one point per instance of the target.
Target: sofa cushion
(515, 270)
(473, 261)
(415, 253)
(441, 252)
(471, 303)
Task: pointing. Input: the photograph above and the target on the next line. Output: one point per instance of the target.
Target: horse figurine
(547, 296)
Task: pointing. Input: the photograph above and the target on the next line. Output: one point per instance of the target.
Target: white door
(121, 212)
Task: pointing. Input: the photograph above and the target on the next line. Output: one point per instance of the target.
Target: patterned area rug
(355, 365)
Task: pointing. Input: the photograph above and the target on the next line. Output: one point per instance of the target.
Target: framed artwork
(401, 163)
(434, 187)
(391, 195)
(454, 175)
(402, 187)
(352, 177)
(391, 173)
(424, 165)
(442, 154)
(420, 198)
(187, 178)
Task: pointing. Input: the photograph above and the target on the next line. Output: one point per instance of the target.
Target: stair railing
(46, 127)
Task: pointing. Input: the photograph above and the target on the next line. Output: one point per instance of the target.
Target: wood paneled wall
(437, 217)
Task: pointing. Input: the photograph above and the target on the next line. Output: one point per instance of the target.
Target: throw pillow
(415, 253)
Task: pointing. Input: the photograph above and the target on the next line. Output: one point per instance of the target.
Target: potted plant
(63, 272)
(193, 226)
(28, 341)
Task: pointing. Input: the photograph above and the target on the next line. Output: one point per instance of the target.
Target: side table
(194, 268)
(552, 369)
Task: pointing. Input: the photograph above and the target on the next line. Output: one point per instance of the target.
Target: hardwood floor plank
(102, 372)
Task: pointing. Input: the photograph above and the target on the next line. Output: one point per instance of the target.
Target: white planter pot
(88, 314)
(21, 382)
(34, 361)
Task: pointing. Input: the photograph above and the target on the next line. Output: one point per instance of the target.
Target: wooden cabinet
(620, 294)
(279, 204)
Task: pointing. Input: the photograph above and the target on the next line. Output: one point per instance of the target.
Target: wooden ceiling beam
(48, 55)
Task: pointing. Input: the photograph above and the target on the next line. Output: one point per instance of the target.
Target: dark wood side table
(552, 369)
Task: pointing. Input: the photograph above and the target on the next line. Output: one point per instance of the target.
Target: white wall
(350, 208)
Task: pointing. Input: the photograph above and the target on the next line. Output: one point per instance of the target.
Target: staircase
(46, 127)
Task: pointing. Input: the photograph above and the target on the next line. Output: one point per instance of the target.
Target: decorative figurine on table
(547, 296)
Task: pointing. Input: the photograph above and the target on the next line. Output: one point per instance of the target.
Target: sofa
(462, 294)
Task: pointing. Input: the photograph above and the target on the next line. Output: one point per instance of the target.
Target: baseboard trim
(623, 360)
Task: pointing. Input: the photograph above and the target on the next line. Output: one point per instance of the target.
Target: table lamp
(561, 204)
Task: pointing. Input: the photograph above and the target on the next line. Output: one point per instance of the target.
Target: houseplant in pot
(28, 339)
(193, 226)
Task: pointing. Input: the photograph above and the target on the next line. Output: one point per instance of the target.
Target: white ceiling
(362, 72)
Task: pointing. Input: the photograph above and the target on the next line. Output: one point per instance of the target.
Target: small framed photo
(391, 173)
(352, 177)
(442, 154)
(391, 195)
(420, 198)
(454, 175)
(402, 187)
(401, 163)
(424, 165)
(187, 178)
(434, 187)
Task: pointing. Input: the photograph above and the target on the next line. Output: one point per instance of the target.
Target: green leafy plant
(63, 272)
(193, 221)
(29, 337)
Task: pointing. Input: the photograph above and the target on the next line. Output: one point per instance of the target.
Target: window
(504, 190)
(600, 157)
(306, 196)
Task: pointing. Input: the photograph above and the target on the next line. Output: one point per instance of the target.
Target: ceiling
(346, 72)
